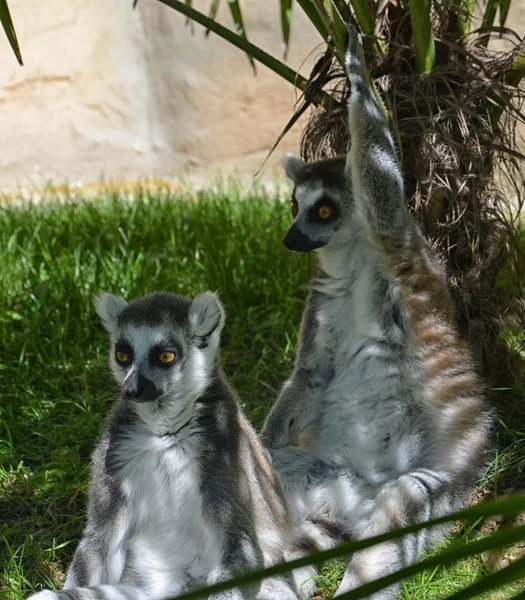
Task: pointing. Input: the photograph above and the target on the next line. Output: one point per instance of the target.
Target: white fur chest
(363, 417)
(168, 536)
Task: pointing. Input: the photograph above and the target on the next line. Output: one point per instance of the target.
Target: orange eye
(122, 357)
(167, 357)
(325, 212)
(295, 208)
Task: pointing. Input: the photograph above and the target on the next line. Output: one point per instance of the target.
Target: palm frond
(7, 24)
(238, 20)
(508, 507)
(243, 44)
(286, 22)
(424, 47)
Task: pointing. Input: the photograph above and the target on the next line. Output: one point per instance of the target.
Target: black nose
(297, 241)
(139, 388)
(133, 386)
(290, 241)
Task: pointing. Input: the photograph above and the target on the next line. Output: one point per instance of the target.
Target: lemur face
(318, 199)
(163, 346)
(148, 361)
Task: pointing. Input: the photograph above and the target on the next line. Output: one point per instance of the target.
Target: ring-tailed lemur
(182, 492)
(383, 401)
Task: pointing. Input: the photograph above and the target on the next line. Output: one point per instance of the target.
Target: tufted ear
(108, 308)
(293, 166)
(206, 315)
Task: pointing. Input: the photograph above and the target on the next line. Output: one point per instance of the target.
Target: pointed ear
(108, 308)
(293, 165)
(206, 316)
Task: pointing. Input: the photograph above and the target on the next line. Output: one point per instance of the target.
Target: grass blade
(235, 10)
(488, 20)
(255, 52)
(507, 506)
(423, 39)
(286, 22)
(7, 23)
(507, 575)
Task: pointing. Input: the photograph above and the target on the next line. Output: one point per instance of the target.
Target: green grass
(55, 386)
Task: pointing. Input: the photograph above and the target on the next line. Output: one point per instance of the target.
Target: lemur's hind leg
(316, 488)
(326, 500)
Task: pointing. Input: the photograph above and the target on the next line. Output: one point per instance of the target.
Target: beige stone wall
(107, 91)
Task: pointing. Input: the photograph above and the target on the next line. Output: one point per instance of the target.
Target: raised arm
(377, 181)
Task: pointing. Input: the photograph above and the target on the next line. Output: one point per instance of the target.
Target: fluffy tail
(99, 592)
(313, 535)
(412, 498)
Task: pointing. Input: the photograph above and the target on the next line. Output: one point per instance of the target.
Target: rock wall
(108, 91)
(120, 94)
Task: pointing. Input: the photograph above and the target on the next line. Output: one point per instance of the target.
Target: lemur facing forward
(182, 492)
(383, 402)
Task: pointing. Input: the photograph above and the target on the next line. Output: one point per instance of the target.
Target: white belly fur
(169, 538)
(365, 404)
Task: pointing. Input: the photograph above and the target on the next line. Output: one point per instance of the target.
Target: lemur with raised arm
(384, 402)
(182, 492)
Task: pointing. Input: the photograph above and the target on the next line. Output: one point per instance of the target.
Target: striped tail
(98, 592)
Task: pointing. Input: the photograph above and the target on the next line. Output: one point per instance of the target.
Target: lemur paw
(44, 595)
(275, 436)
(354, 47)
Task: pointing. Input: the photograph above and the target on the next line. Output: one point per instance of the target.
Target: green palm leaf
(278, 67)
(335, 27)
(7, 23)
(214, 7)
(310, 9)
(517, 68)
(465, 11)
(504, 12)
(286, 22)
(423, 39)
(364, 16)
(235, 10)
(488, 20)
